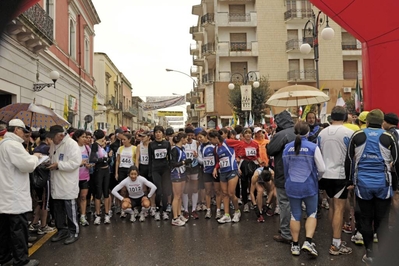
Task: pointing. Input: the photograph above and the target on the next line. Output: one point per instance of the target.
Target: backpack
(39, 176)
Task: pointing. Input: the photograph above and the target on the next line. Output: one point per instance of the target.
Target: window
(350, 69)
(237, 13)
(238, 41)
(87, 55)
(239, 67)
(72, 38)
(49, 8)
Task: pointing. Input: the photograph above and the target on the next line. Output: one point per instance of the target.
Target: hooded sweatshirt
(285, 134)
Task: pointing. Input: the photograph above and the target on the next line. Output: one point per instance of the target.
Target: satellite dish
(88, 118)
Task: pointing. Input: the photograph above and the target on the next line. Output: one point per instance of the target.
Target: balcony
(130, 111)
(208, 49)
(353, 75)
(293, 45)
(33, 28)
(198, 61)
(194, 49)
(208, 78)
(351, 45)
(208, 19)
(307, 75)
(197, 33)
(238, 48)
(237, 19)
(112, 104)
(194, 71)
(297, 14)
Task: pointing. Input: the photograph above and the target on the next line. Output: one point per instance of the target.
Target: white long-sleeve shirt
(135, 188)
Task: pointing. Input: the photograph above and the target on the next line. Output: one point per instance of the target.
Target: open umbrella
(297, 95)
(33, 115)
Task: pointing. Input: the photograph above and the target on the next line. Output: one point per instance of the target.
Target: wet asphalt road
(199, 242)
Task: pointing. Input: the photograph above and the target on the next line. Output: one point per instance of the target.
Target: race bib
(135, 189)
(144, 159)
(189, 154)
(224, 162)
(250, 151)
(209, 161)
(160, 153)
(126, 159)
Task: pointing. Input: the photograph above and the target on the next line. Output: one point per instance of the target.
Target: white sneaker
(246, 207)
(199, 208)
(203, 207)
(295, 250)
(184, 219)
(169, 208)
(97, 220)
(208, 214)
(142, 216)
(135, 212)
(165, 216)
(45, 230)
(236, 217)
(132, 218)
(152, 211)
(239, 202)
(178, 222)
(225, 219)
(277, 210)
(324, 204)
(157, 216)
(110, 213)
(83, 221)
(123, 214)
(107, 219)
(218, 214)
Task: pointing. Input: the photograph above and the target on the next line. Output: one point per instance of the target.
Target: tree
(259, 98)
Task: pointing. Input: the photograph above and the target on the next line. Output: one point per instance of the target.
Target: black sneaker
(71, 239)
(60, 235)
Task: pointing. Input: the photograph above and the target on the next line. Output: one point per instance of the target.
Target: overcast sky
(142, 38)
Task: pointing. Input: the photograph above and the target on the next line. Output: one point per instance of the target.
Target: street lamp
(251, 75)
(54, 75)
(327, 34)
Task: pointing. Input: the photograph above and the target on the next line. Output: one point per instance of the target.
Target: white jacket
(65, 180)
(15, 164)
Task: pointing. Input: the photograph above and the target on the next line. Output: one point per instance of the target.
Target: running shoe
(194, 215)
(375, 238)
(34, 227)
(110, 213)
(218, 214)
(123, 214)
(246, 207)
(208, 214)
(142, 216)
(310, 249)
(152, 211)
(136, 212)
(239, 202)
(83, 221)
(324, 204)
(184, 219)
(198, 208)
(277, 210)
(45, 230)
(268, 211)
(347, 228)
(186, 215)
(357, 239)
(107, 219)
(367, 260)
(213, 201)
(260, 219)
(295, 250)
(165, 216)
(203, 207)
(169, 208)
(132, 218)
(177, 222)
(225, 219)
(341, 250)
(157, 216)
(97, 220)
(236, 217)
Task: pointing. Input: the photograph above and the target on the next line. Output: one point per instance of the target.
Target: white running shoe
(136, 212)
(142, 216)
(157, 216)
(184, 219)
(132, 218)
(107, 219)
(165, 216)
(123, 214)
(169, 208)
(310, 248)
(218, 214)
(295, 250)
(203, 207)
(208, 214)
(324, 204)
(225, 219)
(83, 221)
(246, 207)
(239, 202)
(236, 217)
(199, 208)
(178, 222)
(45, 230)
(153, 211)
(277, 210)
(97, 220)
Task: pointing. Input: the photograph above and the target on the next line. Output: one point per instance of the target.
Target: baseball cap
(169, 131)
(363, 115)
(125, 129)
(18, 123)
(54, 130)
(257, 129)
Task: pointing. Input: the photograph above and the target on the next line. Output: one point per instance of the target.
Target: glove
(188, 161)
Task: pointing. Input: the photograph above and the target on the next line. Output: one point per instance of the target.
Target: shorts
(296, 207)
(178, 177)
(192, 170)
(136, 202)
(335, 188)
(209, 178)
(83, 184)
(225, 177)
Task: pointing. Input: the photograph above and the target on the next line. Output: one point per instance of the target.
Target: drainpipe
(80, 68)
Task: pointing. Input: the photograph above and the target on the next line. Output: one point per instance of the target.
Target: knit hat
(363, 115)
(391, 118)
(375, 117)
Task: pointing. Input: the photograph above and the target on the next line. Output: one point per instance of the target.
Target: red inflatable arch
(376, 25)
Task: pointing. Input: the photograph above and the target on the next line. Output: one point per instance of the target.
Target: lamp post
(327, 34)
(54, 75)
(195, 85)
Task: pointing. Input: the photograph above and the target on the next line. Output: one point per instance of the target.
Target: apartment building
(234, 38)
(51, 36)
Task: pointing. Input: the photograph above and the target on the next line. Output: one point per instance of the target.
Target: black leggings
(101, 182)
(164, 187)
(246, 175)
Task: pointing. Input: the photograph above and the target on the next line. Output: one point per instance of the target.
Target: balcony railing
(301, 75)
(208, 78)
(208, 18)
(130, 111)
(293, 44)
(352, 75)
(298, 13)
(350, 45)
(236, 17)
(39, 19)
(208, 48)
(239, 46)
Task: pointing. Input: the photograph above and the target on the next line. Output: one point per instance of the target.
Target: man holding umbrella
(15, 199)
